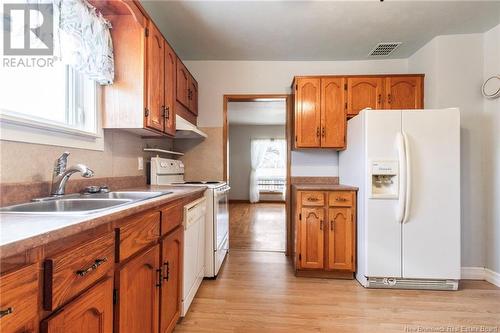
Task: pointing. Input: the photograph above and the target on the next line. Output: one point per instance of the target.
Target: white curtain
(84, 40)
(257, 153)
(281, 146)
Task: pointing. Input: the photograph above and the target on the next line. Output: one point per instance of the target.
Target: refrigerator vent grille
(384, 49)
(394, 283)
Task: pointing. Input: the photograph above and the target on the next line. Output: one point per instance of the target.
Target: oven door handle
(224, 190)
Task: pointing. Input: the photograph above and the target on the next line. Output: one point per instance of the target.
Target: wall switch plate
(140, 163)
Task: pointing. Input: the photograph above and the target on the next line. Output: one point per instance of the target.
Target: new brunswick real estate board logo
(28, 35)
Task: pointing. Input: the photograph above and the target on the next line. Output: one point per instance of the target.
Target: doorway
(256, 144)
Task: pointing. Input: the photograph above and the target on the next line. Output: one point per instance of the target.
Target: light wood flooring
(257, 292)
(257, 227)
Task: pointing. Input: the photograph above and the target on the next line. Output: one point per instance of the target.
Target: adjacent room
(249, 166)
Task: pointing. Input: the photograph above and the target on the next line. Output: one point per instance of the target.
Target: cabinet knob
(313, 199)
(6, 312)
(340, 199)
(317, 132)
(94, 266)
(166, 114)
(389, 98)
(323, 132)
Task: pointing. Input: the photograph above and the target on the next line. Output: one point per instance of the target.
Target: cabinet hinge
(115, 296)
(296, 87)
(296, 138)
(160, 278)
(146, 32)
(345, 86)
(346, 105)
(146, 112)
(300, 256)
(300, 217)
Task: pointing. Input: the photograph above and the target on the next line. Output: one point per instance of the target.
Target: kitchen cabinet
(139, 293)
(403, 92)
(90, 312)
(148, 84)
(19, 301)
(364, 92)
(187, 90)
(325, 233)
(171, 287)
(322, 104)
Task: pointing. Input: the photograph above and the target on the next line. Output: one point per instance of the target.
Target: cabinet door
(170, 82)
(138, 293)
(311, 237)
(92, 312)
(193, 96)
(403, 92)
(333, 114)
(308, 113)
(340, 238)
(171, 290)
(363, 92)
(155, 77)
(182, 84)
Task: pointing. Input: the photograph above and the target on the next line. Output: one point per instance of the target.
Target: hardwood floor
(257, 292)
(257, 227)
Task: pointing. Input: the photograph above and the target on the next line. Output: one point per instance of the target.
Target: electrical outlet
(140, 163)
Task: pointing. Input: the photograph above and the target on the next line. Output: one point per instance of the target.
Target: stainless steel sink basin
(132, 195)
(89, 205)
(77, 204)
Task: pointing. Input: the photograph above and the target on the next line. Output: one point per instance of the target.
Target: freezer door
(431, 230)
(382, 231)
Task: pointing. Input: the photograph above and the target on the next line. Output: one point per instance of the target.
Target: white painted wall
(239, 154)
(453, 66)
(216, 78)
(491, 149)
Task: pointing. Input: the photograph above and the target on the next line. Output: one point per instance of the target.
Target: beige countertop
(323, 187)
(20, 232)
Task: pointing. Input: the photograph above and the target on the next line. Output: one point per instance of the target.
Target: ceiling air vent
(384, 49)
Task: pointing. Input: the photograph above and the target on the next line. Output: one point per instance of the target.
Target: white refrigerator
(406, 164)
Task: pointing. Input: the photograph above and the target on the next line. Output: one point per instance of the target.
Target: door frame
(288, 137)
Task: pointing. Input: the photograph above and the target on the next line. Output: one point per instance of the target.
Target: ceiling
(257, 113)
(312, 30)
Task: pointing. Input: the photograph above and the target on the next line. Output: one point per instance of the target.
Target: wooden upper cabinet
(183, 85)
(308, 112)
(90, 312)
(171, 288)
(169, 83)
(333, 114)
(364, 92)
(403, 92)
(340, 238)
(311, 237)
(156, 76)
(138, 293)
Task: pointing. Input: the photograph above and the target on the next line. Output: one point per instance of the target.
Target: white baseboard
(481, 273)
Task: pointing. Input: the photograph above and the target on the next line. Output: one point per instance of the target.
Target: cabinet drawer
(171, 218)
(137, 233)
(70, 272)
(19, 301)
(340, 198)
(313, 198)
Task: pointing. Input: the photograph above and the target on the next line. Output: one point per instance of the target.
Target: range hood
(185, 130)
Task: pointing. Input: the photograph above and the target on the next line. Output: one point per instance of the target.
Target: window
(54, 97)
(271, 172)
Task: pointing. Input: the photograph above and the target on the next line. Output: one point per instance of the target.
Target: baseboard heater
(399, 283)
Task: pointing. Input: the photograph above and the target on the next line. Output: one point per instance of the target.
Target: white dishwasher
(194, 251)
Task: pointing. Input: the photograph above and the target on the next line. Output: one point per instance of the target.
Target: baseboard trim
(481, 273)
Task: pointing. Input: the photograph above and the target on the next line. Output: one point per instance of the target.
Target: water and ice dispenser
(384, 179)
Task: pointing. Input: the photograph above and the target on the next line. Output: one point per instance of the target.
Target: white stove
(171, 172)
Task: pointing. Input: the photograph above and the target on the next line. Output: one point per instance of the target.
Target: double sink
(78, 204)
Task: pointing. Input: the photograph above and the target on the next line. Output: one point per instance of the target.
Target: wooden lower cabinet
(139, 293)
(90, 312)
(326, 232)
(171, 287)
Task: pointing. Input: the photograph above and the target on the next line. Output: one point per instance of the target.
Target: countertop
(323, 187)
(20, 232)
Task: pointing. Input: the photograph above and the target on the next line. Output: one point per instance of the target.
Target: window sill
(24, 129)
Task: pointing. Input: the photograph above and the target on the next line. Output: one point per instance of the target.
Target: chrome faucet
(60, 175)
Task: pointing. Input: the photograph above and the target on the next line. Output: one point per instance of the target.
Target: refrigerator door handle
(408, 178)
(400, 144)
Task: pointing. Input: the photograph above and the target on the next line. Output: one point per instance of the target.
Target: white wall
(239, 154)
(453, 66)
(216, 78)
(491, 160)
